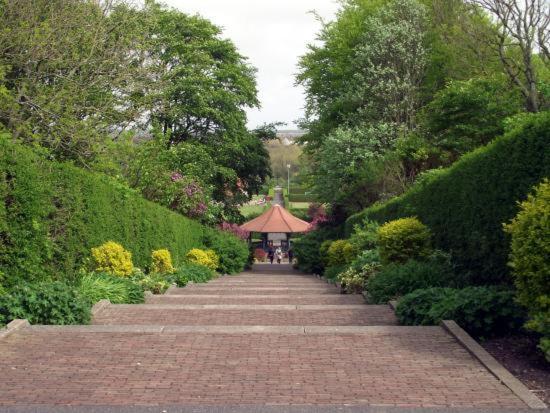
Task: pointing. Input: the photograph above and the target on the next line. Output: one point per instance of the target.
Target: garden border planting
(491, 364)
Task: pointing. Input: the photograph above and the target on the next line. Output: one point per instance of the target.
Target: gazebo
(276, 226)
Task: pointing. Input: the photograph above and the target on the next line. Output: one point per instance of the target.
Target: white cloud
(272, 34)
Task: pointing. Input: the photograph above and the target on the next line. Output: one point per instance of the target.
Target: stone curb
(393, 304)
(491, 364)
(170, 289)
(14, 326)
(100, 305)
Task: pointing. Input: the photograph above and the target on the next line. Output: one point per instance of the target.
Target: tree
(390, 64)
(525, 28)
(203, 83)
(469, 114)
(72, 69)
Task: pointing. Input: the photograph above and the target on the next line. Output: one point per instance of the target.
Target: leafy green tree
(203, 83)
(469, 114)
(71, 68)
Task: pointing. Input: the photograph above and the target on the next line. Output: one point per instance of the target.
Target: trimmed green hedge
(465, 205)
(52, 214)
(301, 198)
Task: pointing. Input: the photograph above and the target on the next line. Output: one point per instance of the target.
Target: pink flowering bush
(235, 230)
(318, 215)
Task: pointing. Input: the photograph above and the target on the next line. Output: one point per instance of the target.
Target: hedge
(301, 198)
(52, 214)
(465, 205)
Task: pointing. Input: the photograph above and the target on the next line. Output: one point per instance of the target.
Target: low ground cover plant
(395, 280)
(482, 311)
(45, 303)
(117, 290)
(192, 273)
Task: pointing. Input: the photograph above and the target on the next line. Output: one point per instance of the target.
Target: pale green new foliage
(341, 252)
(403, 239)
(530, 231)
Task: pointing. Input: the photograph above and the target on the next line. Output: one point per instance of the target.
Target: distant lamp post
(288, 183)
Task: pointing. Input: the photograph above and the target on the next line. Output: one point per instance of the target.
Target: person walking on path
(290, 256)
(279, 254)
(270, 255)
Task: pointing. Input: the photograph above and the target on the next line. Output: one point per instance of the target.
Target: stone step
(220, 290)
(265, 284)
(256, 299)
(246, 315)
(247, 366)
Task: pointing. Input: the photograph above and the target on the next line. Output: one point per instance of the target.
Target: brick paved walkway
(205, 345)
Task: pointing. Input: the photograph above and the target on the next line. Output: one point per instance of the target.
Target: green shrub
(192, 273)
(529, 260)
(57, 213)
(161, 262)
(396, 280)
(233, 253)
(414, 308)
(45, 303)
(154, 282)
(365, 236)
(402, 240)
(352, 281)
(340, 252)
(482, 311)
(367, 257)
(112, 258)
(333, 272)
(323, 252)
(307, 250)
(117, 290)
(466, 204)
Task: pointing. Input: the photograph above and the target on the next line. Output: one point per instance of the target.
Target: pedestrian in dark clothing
(290, 256)
(271, 255)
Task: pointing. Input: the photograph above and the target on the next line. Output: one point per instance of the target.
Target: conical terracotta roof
(276, 219)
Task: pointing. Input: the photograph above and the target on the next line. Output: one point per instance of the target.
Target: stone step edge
(244, 296)
(236, 329)
(252, 307)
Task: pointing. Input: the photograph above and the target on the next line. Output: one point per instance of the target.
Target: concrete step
(256, 299)
(246, 315)
(255, 285)
(213, 366)
(221, 290)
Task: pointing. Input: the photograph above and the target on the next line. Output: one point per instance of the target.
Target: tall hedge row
(465, 205)
(52, 214)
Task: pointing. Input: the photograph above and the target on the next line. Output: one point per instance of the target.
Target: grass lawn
(300, 205)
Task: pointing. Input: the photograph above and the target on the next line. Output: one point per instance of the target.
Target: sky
(272, 34)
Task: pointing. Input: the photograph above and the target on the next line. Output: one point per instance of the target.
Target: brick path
(205, 345)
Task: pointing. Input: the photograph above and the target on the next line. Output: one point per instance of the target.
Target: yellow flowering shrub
(403, 239)
(112, 258)
(161, 262)
(214, 257)
(201, 257)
